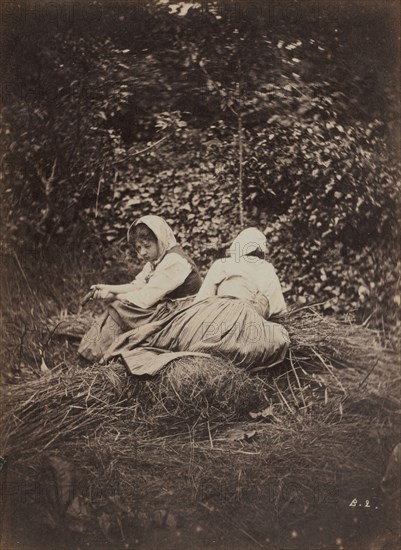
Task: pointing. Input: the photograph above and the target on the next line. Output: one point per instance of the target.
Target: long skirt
(223, 326)
(119, 318)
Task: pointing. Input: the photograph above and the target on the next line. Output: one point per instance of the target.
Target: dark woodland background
(116, 110)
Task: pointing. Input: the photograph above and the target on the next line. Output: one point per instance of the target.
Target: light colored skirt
(119, 318)
(223, 326)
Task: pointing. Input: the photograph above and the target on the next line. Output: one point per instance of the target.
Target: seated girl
(246, 275)
(229, 316)
(168, 277)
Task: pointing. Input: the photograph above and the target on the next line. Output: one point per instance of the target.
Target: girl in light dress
(163, 286)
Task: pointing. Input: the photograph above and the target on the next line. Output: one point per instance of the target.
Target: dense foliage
(122, 111)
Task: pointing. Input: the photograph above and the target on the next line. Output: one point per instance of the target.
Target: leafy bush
(114, 124)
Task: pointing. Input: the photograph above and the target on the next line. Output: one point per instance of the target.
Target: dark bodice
(192, 283)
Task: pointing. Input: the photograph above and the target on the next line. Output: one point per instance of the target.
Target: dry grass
(325, 418)
(285, 465)
(197, 391)
(339, 343)
(48, 410)
(68, 403)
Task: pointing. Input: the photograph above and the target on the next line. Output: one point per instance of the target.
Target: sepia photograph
(200, 275)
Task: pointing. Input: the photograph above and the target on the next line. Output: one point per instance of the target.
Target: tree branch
(240, 152)
(141, 151)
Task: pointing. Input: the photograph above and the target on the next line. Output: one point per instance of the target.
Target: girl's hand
(99, 286)
(103, 294)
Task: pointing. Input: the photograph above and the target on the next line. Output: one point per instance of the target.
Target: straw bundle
(198, 388)
(326, 339)
(63, 404)
(67, 404)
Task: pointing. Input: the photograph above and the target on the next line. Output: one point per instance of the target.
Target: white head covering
(248, 241)
(161, 229)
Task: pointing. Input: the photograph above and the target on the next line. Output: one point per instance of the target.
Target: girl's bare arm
(116, 289)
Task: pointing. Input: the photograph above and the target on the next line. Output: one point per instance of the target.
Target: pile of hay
(318, 340)
(197, 389)
(70, 403)
(65, 404)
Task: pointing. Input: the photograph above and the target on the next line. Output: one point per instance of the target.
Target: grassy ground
(292, 458)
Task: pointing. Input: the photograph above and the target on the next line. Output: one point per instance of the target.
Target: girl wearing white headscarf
(246, 275)
(229, 316)
(167, 279)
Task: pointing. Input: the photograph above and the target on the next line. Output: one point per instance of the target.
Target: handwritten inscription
(363, 504)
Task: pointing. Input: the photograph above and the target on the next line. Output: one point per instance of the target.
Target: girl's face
(147, 250)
